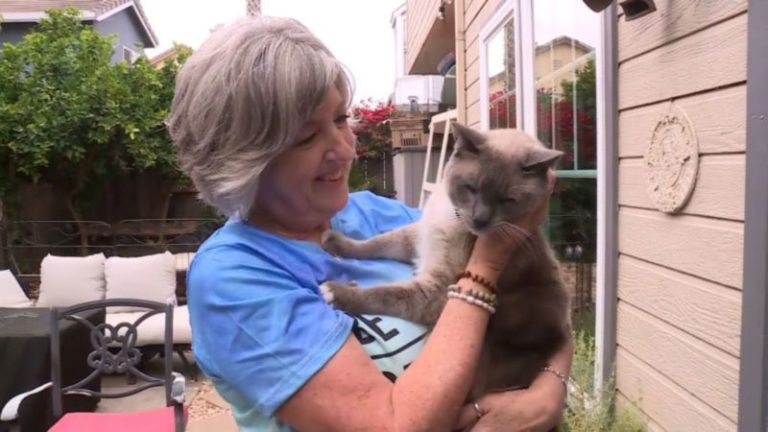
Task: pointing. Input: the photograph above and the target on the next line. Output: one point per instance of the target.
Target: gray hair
(240, 101)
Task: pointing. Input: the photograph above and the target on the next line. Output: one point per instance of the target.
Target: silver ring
(478, 411)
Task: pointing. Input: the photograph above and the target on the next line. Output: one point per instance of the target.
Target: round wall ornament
(672, 161)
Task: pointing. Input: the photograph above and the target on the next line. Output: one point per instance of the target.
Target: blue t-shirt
(260, 326)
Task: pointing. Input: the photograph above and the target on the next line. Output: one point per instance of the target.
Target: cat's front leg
(398, 244)
(416, 300)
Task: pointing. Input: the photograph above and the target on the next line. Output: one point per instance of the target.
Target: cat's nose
(481, 223)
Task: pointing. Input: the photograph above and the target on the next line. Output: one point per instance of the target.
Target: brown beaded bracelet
(479, 280)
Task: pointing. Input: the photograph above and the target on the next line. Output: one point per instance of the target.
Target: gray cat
(490, 178)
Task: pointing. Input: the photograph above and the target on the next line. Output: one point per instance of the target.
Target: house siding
(421, 16)
(125, 27)
(476, 15)
(679, 277)
(13, 32)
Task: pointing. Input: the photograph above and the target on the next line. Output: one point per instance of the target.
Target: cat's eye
(471, 189)
(509, 200)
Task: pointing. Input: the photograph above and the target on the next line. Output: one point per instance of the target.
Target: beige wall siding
(421, 14)
(477, 14)
(679, 316)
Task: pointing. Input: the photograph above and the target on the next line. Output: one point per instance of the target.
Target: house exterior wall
(124, 26)
(680, 276)
(126, 29)
(422, 15)
(476, 14)
(14, 32)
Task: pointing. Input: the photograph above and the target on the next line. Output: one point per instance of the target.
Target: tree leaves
(70, 116)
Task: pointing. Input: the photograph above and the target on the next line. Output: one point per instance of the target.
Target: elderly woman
(260, 121)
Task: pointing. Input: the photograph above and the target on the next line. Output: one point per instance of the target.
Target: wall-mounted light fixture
(633, 9)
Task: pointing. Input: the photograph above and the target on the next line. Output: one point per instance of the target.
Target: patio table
(25, 362)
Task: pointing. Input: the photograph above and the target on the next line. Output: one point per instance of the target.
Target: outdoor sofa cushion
(11, 294)
(67, 281)
(150, 277)
(151, 331)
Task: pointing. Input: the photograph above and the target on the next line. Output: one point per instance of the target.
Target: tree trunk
(78, 219)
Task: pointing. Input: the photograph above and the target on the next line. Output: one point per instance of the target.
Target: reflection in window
(565, 34)
(502, 102)
(564, 68)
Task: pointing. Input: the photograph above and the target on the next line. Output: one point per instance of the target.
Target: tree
(374, 139)
(70, 117)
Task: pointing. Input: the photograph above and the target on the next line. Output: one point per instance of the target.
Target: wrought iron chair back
(114, 351)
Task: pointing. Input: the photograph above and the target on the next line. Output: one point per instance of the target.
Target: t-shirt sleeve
(257, 328)
(369, 214)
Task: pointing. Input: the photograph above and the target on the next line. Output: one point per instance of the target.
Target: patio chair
(114, 352)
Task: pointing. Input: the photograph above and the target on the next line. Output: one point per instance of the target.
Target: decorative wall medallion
(672, 161)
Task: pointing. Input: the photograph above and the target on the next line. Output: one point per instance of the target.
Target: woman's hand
(537, 408)
(493, 248)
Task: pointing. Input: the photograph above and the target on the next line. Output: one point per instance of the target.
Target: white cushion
(152, 331)
(151, 277)
(11, 293)
(183, 260)
(66, 281)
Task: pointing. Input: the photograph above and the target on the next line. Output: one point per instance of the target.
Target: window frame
(606, 173)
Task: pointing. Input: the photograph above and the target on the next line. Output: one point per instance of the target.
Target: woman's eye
(471, 189)
(509, 200)
(341, 120)
(307, 140)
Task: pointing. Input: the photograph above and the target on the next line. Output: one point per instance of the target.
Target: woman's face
(307, 184)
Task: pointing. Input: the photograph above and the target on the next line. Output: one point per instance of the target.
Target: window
(130, 55)
(538, 74)
(498, 59)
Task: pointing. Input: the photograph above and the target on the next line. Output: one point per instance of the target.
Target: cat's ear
(467, 139)
(542, 157)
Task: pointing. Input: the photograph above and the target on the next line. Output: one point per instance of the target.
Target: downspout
(607, 203)
(461, 61)
(753, 368)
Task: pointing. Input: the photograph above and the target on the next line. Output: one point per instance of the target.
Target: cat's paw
(326, 290)
(340, 295)
(336, 243)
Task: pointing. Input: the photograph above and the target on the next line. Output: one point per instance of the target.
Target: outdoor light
(637, 8)
(441, 12)
(598, 5)
(633, 9)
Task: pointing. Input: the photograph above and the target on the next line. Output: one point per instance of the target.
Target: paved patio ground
(207, 411)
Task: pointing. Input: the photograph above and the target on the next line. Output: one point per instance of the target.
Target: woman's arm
(349, 393)
(537, 408)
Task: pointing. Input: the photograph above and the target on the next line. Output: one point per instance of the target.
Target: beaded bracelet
(479, 280)
(471, 300)
(483, 300)
(489, 298)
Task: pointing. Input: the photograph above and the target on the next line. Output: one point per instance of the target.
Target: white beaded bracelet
(472, 300)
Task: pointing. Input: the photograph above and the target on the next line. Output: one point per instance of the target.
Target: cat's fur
(491, 177)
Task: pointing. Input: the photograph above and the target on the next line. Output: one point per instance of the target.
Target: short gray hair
(240, 101)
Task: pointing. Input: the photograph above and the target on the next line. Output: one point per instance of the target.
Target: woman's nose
(342, 146)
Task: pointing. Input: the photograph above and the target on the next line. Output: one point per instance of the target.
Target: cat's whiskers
(514, 232)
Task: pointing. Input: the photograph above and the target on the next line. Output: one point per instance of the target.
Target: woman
(260, 121)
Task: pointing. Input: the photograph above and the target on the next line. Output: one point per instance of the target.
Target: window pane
(566, 33)
(572, 226)
(502, 103)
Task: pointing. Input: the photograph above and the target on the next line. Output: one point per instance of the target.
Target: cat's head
(496, 176)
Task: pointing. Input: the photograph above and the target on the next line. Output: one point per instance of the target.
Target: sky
(364, 41)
